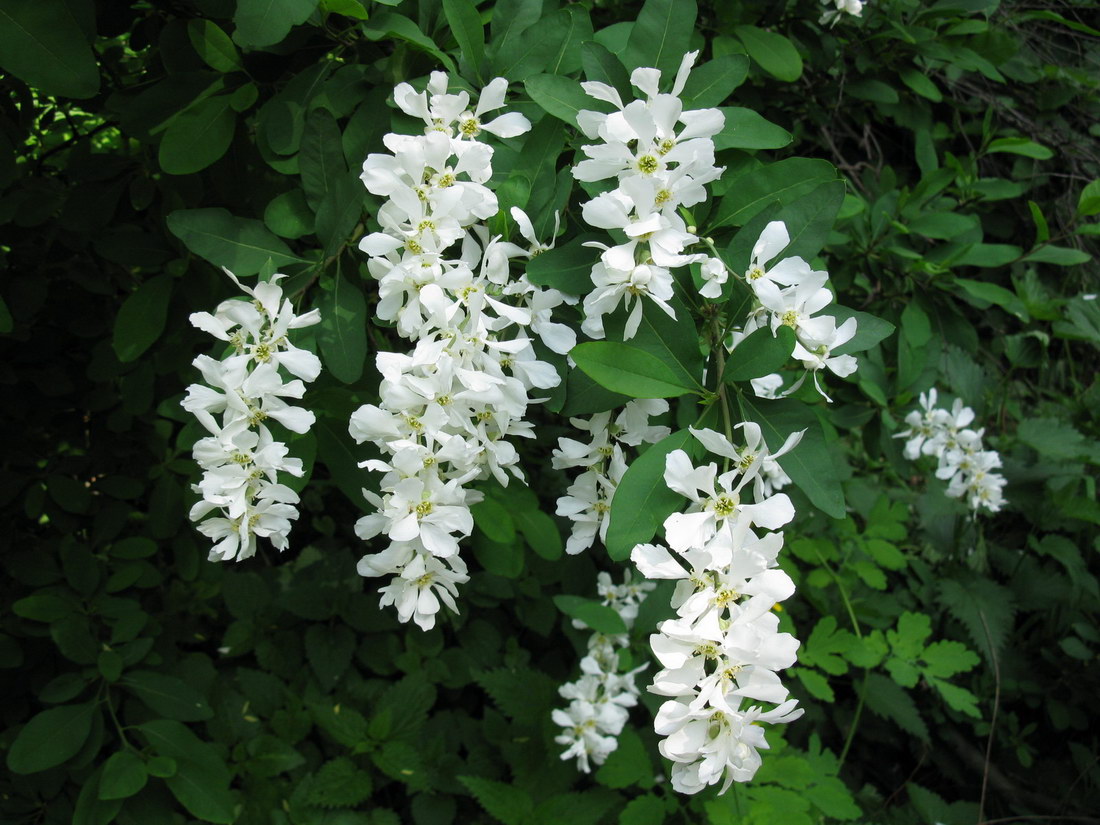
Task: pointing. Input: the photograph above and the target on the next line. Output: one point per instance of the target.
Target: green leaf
(946, 658)
(642, 500)
(759, 354)
(123, 776)
(241, 245)
(943, 225)
(745, 129)
(1020, 146)
(712, 83)
(1088, 203)
(167, 695)
(773, 52)
(1055, 439)
(50, 738)
(339, 783)
(140, 319)
(175, 740)
(43, 44)
(812, 465)
(602, 66)
(782, 182)
(810, 218)
(1058, 255)
(267, 22)
(567, 268)
(870, 329)
(321, 158)
(342, 333)
(526, 696)
(213, 45)
(642, 810)
(540, 532)
(494, 520)
(288, 215)
(329, 650)
(198, 136)
(630, 371)
(392, 26)
(958, 698)
(559, 96)
(994, 294)
(815, 684)
(674, 342)
(661, 35)
(270, 756)
(1042, 229)
(885, 698)
(629, 764)
(921, 84)
(465, 23)
(204, 791)
(505, 803)
(598, 617)
(873, 90)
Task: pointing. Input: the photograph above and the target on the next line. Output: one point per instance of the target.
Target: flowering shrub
(614, 318)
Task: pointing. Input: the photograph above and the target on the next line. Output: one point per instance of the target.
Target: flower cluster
(790, 293)
(599, 699)
(721, 652)
(661, 157)
(449, 407)
(963, 464)
(587, 502)
(241, 459)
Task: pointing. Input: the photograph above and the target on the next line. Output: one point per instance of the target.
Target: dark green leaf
(198, 136)
(321, 158)
(465, 23)
(630, 371)
(642, 500)
(713, 82)
(123, 775)
(329, 650)
(494, 520)
(812, 465)
(773, 52)
(167, 695)
(141, 318)
(50, 738)
(781, 182)
(598, 617)
(560, 96)
(662, 35)
(241, 245)
(601, 66)
(745, 129)
(213, 45)
(567, 268)
(810, 218)
(204, 791)
(540, 532)
(42, 43)
(342, 333)
(760, 354)
(869, 329)
(267, 22)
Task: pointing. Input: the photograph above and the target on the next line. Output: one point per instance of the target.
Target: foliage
(947, 665)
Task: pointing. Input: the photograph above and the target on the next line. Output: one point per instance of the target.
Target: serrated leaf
(524, 695)
(815, 683)
(329, 650)
(505, 803)
(985, 609)
(339, 783)
(886, 699)
(946, 658)
(958, 698)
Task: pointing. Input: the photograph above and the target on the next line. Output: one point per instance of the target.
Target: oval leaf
(760, 354)
(50, 738)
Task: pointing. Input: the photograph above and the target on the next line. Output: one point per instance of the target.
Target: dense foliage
(939, 159)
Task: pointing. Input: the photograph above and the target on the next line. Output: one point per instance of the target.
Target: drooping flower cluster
(241, 458)
(448, 408)
(839, 8)
(721, 653)
(600, 698)
(790, 293)
(661, 158)
(945, 435)
(587, 502)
